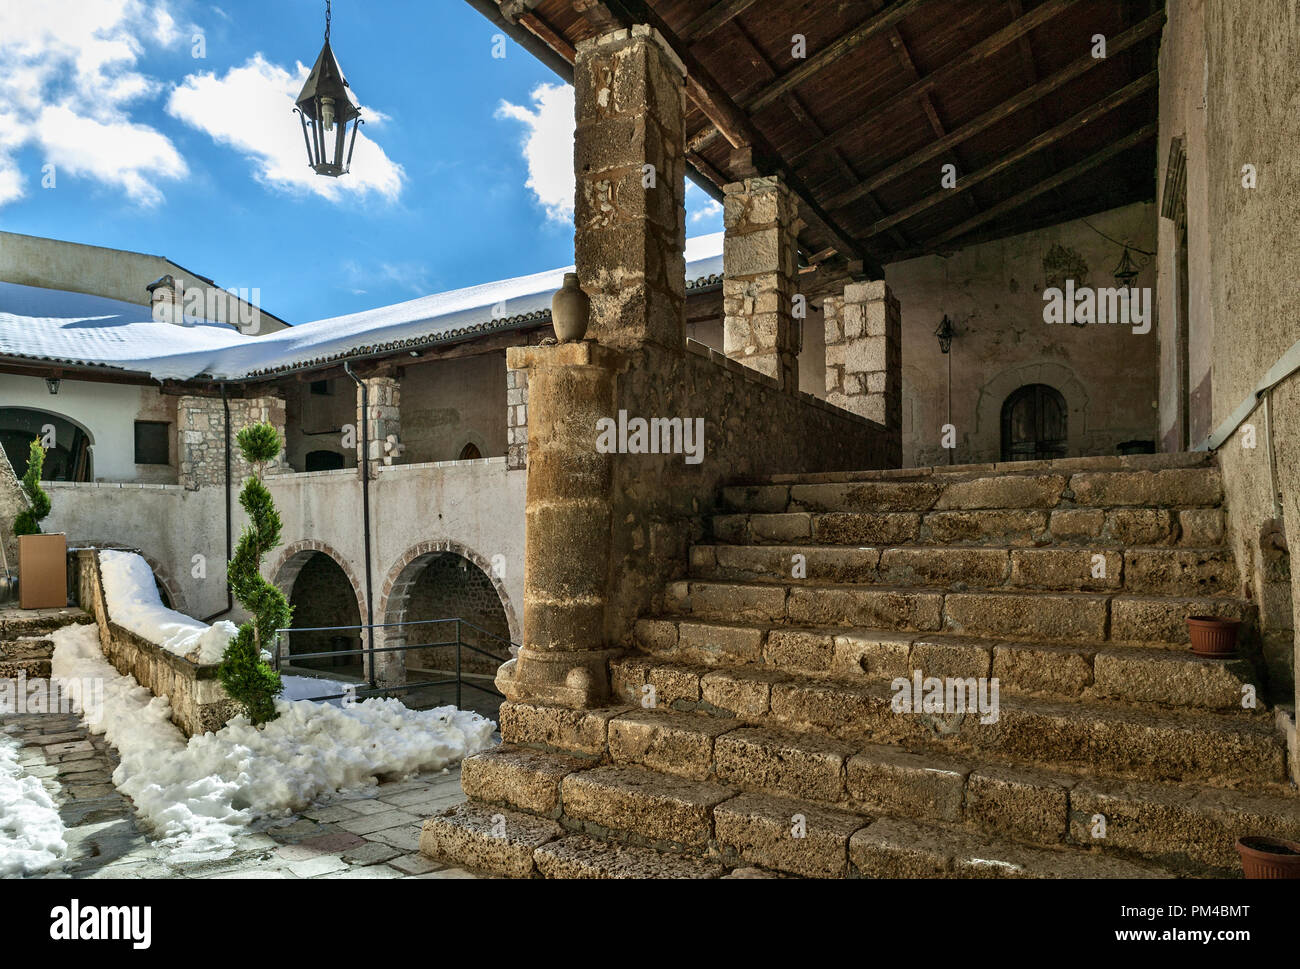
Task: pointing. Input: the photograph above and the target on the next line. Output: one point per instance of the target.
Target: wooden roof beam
(1044, 140)
(1147, 28)
(984, 49)
(716, 16)
(1094, 160)
(836, 50)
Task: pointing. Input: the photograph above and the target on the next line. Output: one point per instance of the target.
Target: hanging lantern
(1126, 271)
(325, 108)
(945, 334)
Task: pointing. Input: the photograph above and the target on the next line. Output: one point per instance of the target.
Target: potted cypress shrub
(42, 557)
(247, 677)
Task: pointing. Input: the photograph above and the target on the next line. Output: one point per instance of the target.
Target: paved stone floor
(372, 833)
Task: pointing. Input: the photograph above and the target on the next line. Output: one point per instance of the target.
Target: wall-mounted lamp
(52, 383)
(945, 333)
(1126, 271)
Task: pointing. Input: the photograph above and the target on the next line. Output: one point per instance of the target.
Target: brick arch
(293, 557)
(160, 573)
(397, 584)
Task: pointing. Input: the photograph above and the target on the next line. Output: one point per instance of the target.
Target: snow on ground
(31, 831)
(134, 604)
(305, 687)
(197, 796)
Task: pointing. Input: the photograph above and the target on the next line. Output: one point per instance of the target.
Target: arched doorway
(322, 595)
(1034, 424)
(69, 459)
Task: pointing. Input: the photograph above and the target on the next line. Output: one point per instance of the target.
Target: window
(152, 442)
(321, 388)
(324, 461)
(469, 452)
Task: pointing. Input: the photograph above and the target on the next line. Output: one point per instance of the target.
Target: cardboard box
(43, 571)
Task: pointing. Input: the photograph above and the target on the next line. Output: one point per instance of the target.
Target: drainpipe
(230, 547)
(364, 465)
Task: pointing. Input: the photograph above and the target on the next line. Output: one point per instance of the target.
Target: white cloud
(709, 210)
(548, 146)
(250, 109)
(68, 79)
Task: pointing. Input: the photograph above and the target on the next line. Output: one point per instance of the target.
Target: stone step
(32, 669)
(1172, 677)
(1142, 571)
(896, 848)
(1145, 742)
(1176, 488)
(580, 856)
(1050, 617)
(1184, 828)
(1068, 527)
(1133, 462)
(487, 839)
(20, 623)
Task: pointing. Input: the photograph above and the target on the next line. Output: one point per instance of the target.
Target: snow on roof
(75, 328)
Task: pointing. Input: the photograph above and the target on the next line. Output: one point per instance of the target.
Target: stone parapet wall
(198, 702)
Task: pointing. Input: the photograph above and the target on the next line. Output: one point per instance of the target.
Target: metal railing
(369, 651)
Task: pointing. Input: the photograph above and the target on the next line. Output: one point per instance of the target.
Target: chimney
(164, 301)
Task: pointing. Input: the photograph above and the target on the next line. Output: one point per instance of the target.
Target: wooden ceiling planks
(891, 90)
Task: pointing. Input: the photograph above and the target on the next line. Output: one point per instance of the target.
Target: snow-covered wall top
(74, 328)
(133, 603)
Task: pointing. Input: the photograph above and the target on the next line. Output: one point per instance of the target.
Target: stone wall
(1251, 51)
(202, 435)
(12, 501)
(198, 702)
(450, 587)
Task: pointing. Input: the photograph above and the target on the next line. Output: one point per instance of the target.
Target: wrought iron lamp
(1126, 271)
(326, 108)
(52, 384)
(945, 334)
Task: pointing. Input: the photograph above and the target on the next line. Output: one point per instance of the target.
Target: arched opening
(469, 452)
(322, 596)
(1034, 424)
(323, 461)
(444, 585)
(68, 459)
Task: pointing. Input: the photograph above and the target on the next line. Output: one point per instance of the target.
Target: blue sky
(465, 175)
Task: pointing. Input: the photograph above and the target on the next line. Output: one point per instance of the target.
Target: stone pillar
(760, 278)
(568, 517)
(383, 423)
(516, 420)
(630, 216)
(201, 437)
(864, 363)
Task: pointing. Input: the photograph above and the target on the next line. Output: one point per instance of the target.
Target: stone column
(760, 278)
(630, 217)
(568, 516)
(629, 242)
(864, 362)
(383, 423)
(516, 420)
(201, 437)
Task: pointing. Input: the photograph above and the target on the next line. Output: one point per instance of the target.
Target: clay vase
(1213, 637)
(1269, 857)
(570, 310)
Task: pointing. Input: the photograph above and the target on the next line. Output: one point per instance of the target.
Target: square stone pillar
(201, 437)
(382, 423)
(630, 215)
(517, 420)
(760, 278)
(864, 360)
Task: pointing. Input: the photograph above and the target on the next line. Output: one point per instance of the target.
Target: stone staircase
(25, 646)
(758, 734)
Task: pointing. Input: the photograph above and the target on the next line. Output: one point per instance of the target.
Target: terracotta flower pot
(1213, 637)
(1269, 857)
